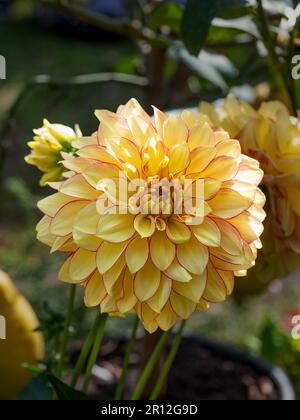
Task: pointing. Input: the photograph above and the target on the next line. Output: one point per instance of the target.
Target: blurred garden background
(38, 40)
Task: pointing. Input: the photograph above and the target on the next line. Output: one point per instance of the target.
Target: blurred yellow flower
(136, 251)
(22, 344)
(48, 143)
(272, 136)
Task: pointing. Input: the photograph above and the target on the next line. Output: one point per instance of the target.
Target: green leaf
(37, 389)
(167, 14)
(65, 392)
(295, 3)
(33, 369)
(275, 343)
(197, 18)
(208, 66)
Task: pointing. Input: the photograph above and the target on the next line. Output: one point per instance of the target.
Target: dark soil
(201, 372)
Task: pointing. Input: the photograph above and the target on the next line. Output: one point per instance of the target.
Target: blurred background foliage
(177, 53)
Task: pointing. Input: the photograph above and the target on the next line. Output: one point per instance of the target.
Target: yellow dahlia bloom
(130, 248)
(46, 147)
(272, 136)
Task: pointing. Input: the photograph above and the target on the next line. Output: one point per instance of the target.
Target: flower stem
(94, 353)
(121, 383)
(85, 350)
(65, 337)
(168, 363)
(150, 366)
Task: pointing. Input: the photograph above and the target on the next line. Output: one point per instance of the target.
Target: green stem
(65, 337)
(121, 383)
(168, 363)
(85, 350)
(150, 366)
(94, 353)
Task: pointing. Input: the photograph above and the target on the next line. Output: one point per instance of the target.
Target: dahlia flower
(272, 136)
(135, 248)
(48, 143)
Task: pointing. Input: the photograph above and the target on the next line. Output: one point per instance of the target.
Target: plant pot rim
(275, 373)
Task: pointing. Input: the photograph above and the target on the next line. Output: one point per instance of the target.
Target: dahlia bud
(46, 148)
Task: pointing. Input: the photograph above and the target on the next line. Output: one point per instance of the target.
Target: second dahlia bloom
(46, 147)
(272, 136)
(131, 248)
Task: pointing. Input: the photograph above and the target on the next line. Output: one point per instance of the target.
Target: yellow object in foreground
(22, 344)
(141, 254)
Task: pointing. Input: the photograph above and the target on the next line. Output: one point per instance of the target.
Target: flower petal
(201, 136)
(112, 275)
(108, 254)
(248, 226)
(78, 187)
(167, 318)
(215, 290)
(159, 120)
(182, 307)
(231, 240)
(179, 158)
(82, 265)
(100, 171)
(178, 232)
(86, 241)
(228, 204)
(144, 225)
(94, 291)
(147, 315)
(200, 159)
(147, 282)
(62, 223)
(100, 153)
(162, 251)
(116, 228)
(178, 273)
(87, 219)
(193, 256)
(194, 289)
(129, 299)
(208, 233)
(222, 168)
(230, 148)
(137, 254)
(52, 204)
(64, 273)
(158, 301)
(175, 131)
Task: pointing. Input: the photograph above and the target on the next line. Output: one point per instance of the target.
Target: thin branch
(52, 83)
(124, 26)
